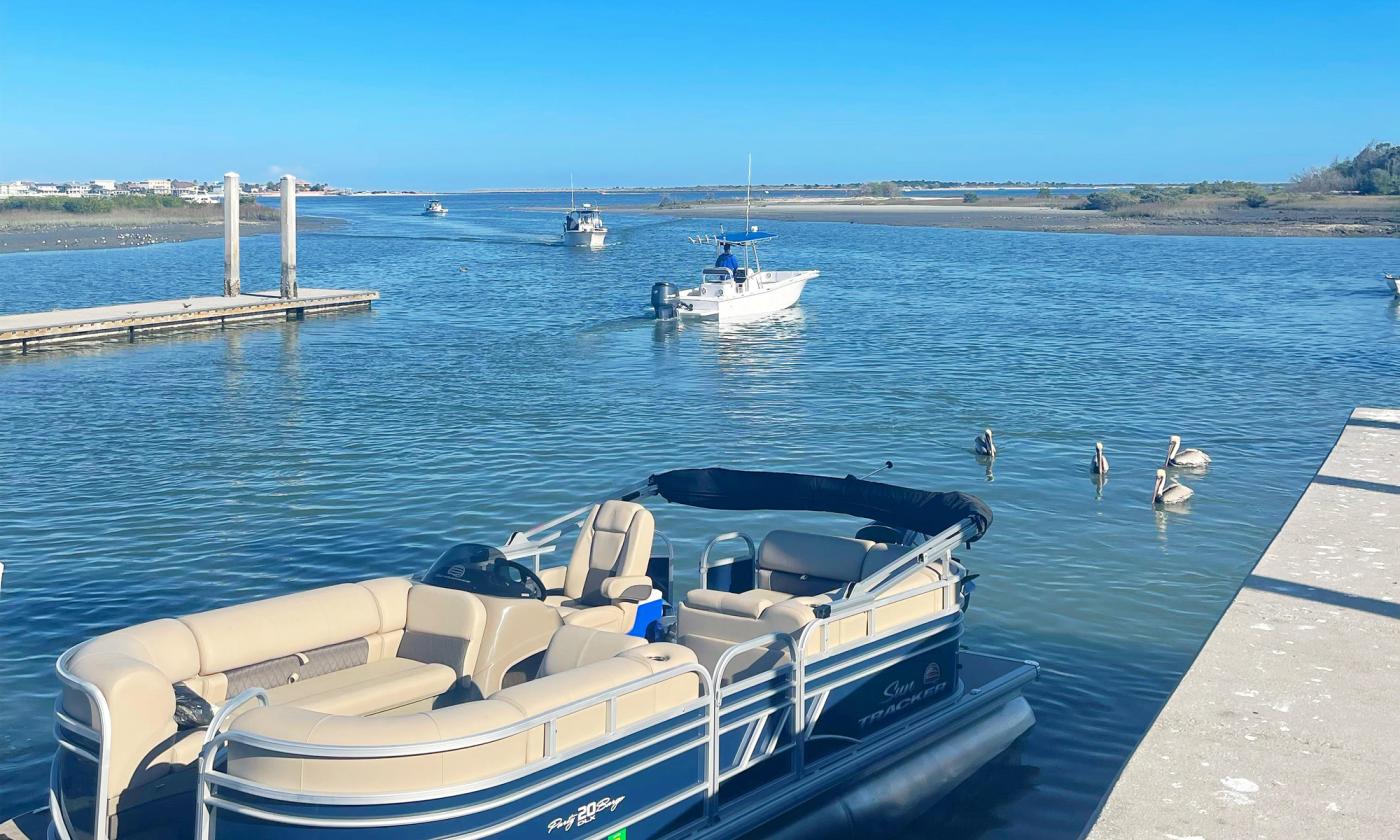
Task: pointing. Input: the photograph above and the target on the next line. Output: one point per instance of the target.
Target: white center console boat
(733, 288)
(497, 695)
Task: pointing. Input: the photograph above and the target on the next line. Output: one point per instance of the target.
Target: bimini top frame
(944, 519)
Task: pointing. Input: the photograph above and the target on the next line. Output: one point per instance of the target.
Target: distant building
(103, 185)
(46, 189)
(157, 186)
(184, 189)
(75, 190)
(15, 188)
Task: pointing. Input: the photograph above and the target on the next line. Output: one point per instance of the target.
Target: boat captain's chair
(606, 575)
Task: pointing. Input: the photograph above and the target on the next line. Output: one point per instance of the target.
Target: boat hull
(1392, 282)
(774, 297)
(910, 746)
(585, 238)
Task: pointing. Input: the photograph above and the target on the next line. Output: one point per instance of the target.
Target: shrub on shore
(90, 204)
(1257, 198)
(1223, 188)
(1107, 200)
(1375, 170)
(971, 198)
(156, 206)
(880, 189)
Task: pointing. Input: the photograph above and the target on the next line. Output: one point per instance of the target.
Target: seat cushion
(367, 689)
(749, 604)
(610, 618)
(574, 646)
(579, 613)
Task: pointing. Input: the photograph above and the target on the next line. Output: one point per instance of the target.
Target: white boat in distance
(1392, 282)
(583, 227)
(726, 292)
(434, 208)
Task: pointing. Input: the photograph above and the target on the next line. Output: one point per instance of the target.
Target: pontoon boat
(732, 291)
(497, 695)
(584, 227)
(434, 208)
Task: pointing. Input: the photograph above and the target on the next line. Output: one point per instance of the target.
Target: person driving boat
(727, 260)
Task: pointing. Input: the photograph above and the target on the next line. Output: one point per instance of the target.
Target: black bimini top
(902, 507)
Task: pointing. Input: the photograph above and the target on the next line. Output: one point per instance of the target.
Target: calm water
(188, 472)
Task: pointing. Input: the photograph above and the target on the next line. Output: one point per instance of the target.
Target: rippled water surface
(193, 471)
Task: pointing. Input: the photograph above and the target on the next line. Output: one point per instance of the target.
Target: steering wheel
(525, 577)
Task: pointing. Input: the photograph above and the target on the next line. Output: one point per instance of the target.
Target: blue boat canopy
(744, 238)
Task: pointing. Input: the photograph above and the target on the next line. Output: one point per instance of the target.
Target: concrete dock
(27, 331)
(1288, 723)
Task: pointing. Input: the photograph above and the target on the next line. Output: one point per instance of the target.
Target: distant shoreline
(1341, 217)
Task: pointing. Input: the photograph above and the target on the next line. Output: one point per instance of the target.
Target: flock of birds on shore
(117, 241)
(1164, 491)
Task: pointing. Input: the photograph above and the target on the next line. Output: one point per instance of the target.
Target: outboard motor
(663, 300)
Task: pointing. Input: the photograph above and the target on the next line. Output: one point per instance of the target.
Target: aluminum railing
(209, 777)
(102, 736)
(706, 563)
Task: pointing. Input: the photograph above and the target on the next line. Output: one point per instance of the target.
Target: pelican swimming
(1169, 494)
(1178, 457)
(1099, 465)
(984, 445)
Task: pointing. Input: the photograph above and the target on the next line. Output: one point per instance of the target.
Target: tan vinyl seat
(798, 572)
(385, 645)
(606, 575)
(589, 662)
(574, 646)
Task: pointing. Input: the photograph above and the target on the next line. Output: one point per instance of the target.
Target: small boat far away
(1392, 282)
(434, 208)
(584, 227)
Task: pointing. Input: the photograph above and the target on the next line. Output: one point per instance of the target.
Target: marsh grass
(23, 217)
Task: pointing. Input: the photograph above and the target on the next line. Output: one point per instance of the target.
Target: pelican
(984, 445)
(1178, 457)
(1099, 465)
(1169, 494)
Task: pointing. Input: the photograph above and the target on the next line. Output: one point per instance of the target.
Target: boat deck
(29, 330)
(31, 826)
(1285, 724)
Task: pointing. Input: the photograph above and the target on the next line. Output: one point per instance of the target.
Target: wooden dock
(1285, 725)
(21, 333)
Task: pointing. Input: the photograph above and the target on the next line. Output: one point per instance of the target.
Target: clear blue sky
(454, 95)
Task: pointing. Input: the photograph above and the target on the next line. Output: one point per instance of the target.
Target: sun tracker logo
(900, 696)
(586, 814)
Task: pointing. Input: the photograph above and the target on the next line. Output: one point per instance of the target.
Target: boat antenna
(747, 189)
(572, 206)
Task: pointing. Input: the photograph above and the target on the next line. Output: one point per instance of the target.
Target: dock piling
(289, 236)
(232, 287)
